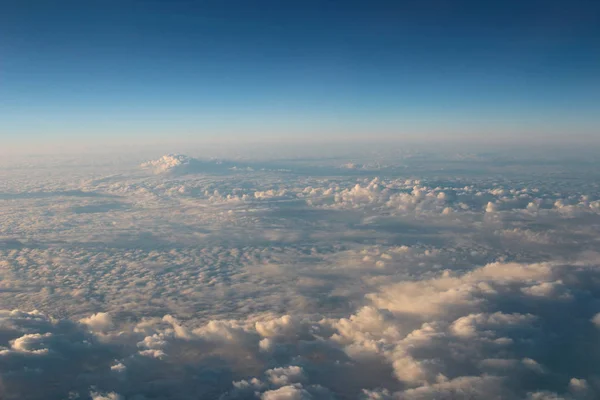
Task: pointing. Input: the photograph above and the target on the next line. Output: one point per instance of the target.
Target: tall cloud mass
(406, 276)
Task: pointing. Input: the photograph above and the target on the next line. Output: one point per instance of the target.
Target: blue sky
(113, 70)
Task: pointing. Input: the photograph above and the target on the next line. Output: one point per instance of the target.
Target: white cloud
(294, 280)
(596, 320)
(285, 376)
(106, 396)
(287, 393)
(98, 322)
(171, 163)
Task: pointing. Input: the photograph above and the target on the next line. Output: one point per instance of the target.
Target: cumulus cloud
(384, 279)
(287, 393)
(169, 163)
(596, 320)
(98, 322)
(106, 396)
(180, 164)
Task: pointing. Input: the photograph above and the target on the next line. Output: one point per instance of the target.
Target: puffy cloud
(473, 324)
(106, 396)
(385, 279)
(98, 322)
(285, 376)
(170, 163)
(287, 393)
(596, 320)
(447, 291)
(578, 385)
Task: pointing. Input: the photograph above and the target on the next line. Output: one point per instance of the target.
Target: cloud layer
(359, 280)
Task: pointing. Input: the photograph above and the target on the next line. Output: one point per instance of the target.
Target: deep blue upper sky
(132, 68)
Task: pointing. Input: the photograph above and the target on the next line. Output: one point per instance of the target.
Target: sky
(285, 200)
(156, 70)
